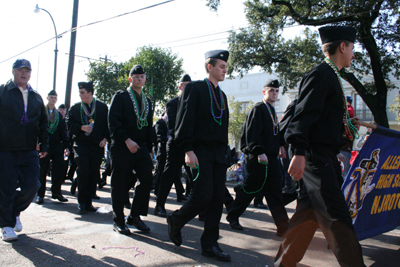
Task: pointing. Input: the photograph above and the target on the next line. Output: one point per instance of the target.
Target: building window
(361, 110)
(245, 104)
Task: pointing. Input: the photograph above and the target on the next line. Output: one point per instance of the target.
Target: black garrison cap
(272, 83)
(85, 85)
(137, 69)
(52, 92)
(185, 78)
(334, 33)
(62, 106)
(219, 54)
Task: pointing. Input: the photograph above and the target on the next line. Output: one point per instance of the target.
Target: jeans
(18, 169)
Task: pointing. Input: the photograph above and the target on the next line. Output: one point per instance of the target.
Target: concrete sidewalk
(54, 234)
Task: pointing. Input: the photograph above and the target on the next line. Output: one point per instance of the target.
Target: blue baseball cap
(22, 63)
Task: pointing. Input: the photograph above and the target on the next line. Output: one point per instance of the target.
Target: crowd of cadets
(193, 133)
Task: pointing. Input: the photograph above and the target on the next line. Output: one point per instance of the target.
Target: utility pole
(105, 59)
(71, 61)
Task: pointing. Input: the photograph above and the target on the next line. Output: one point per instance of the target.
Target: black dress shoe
(121, 228)
(182, 198)
(261, 206)
(73, 187)
(216, 253)
(234, 223)
(39, 200)
(90, 208)
(160, 212)
(173, 231)
(81, 209)
(94, 196)
(59, 197)
(138, 223)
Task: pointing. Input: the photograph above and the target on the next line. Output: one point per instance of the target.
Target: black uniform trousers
(88, 158)
(161, 158)
(123, 162)
(72, 165)
(270, 187)
(56, 154)
(171, 174)
(322, 204)
(207, 195)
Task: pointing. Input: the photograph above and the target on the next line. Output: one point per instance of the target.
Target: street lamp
(37, 10)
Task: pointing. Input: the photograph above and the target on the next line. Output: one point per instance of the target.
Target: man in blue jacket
(23, 123)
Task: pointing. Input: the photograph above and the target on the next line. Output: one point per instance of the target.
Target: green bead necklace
(53, 120)
(349, 129)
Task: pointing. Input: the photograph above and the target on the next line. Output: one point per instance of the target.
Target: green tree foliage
(396, 107)
(108, 78)
(163, 71)
(237, 117)
(378, 42)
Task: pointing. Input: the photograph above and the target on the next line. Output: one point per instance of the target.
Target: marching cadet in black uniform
(175, 158)
(58, 147)
(260, 143)
(130, 122)
(87, 122)
(201, 130)
(160, 144)
(316, 135)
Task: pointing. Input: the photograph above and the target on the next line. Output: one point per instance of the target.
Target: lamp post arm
(55, 50)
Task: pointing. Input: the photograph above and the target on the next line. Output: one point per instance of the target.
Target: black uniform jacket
(258, 135)
(318, 118)
(285, 121)
(100, 129)
(60, 135)
(172, 108)
(161, 130)
(13, 134)
(123, 122)
(195, 126)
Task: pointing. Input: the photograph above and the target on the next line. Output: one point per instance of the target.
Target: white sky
(119, 38)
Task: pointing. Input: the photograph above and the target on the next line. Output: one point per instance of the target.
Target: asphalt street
(54, 234)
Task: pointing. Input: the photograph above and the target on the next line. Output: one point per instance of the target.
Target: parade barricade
(372, 186)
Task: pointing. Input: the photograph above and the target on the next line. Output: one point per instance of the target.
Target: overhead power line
(89, 24)
(155, 5)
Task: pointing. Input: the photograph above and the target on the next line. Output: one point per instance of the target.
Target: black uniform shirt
(100, 129)
(318, 118)
(161, 130)
(123, 122)
(258, 134)
(195, 126)
(60, 135)
(172, 107)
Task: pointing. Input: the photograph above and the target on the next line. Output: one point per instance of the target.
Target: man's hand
(87, 128)
(191, 159)
(356, 122)
(341, 157)
(103, 143)
(297, 166)
(66, 152)
(132, 146)
(42, 154)
(282, 152)
(262, 159)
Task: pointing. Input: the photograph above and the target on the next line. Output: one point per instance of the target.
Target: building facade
(249, 88)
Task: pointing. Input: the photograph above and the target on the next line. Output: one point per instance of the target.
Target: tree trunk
(376, 103)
